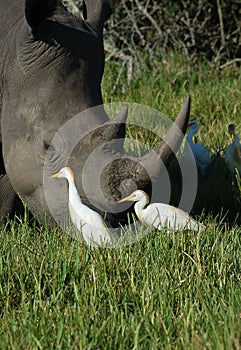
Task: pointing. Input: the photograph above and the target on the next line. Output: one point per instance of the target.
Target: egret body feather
(160, 215)
(91, 224)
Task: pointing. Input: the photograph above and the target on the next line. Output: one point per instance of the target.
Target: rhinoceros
(51, 67)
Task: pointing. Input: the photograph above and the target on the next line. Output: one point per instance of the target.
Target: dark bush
(210, 29)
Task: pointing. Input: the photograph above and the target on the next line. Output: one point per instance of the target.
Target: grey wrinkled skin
(51, 66)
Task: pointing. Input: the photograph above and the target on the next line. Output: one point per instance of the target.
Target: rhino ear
(97, 11)
(37, 11)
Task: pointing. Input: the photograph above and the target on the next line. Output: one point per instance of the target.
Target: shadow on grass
(217, 195)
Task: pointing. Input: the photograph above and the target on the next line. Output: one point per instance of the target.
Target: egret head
(136, 196)
(65, 173)
(193, 124)
(231, 129)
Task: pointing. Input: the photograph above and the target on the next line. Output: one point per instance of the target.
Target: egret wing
(162, 215)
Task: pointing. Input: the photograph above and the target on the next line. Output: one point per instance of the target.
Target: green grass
(167, 291)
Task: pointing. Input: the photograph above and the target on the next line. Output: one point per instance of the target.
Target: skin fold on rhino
(51, 68)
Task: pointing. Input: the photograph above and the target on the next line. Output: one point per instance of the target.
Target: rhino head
(53, 66)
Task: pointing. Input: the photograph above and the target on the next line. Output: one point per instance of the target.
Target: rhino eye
(53, 142)
(48, 146)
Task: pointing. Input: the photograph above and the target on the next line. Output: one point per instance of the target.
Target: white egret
(91, 224)
(160, 215)
(233, 152)
(200, 152)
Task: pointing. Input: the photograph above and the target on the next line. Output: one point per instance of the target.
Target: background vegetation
(208, 29)
(168, 291)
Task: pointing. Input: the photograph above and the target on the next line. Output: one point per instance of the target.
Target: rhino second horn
(116, 128)
(174, 137)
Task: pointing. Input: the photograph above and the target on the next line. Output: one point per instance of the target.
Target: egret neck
(73, 193)
(193, 131)
(140, 205)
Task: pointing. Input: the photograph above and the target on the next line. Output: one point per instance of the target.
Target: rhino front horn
(173, 139)
(170, 144)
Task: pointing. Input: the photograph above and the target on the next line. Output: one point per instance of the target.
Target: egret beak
(129, 198)
(232, 136)
(55, 176)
